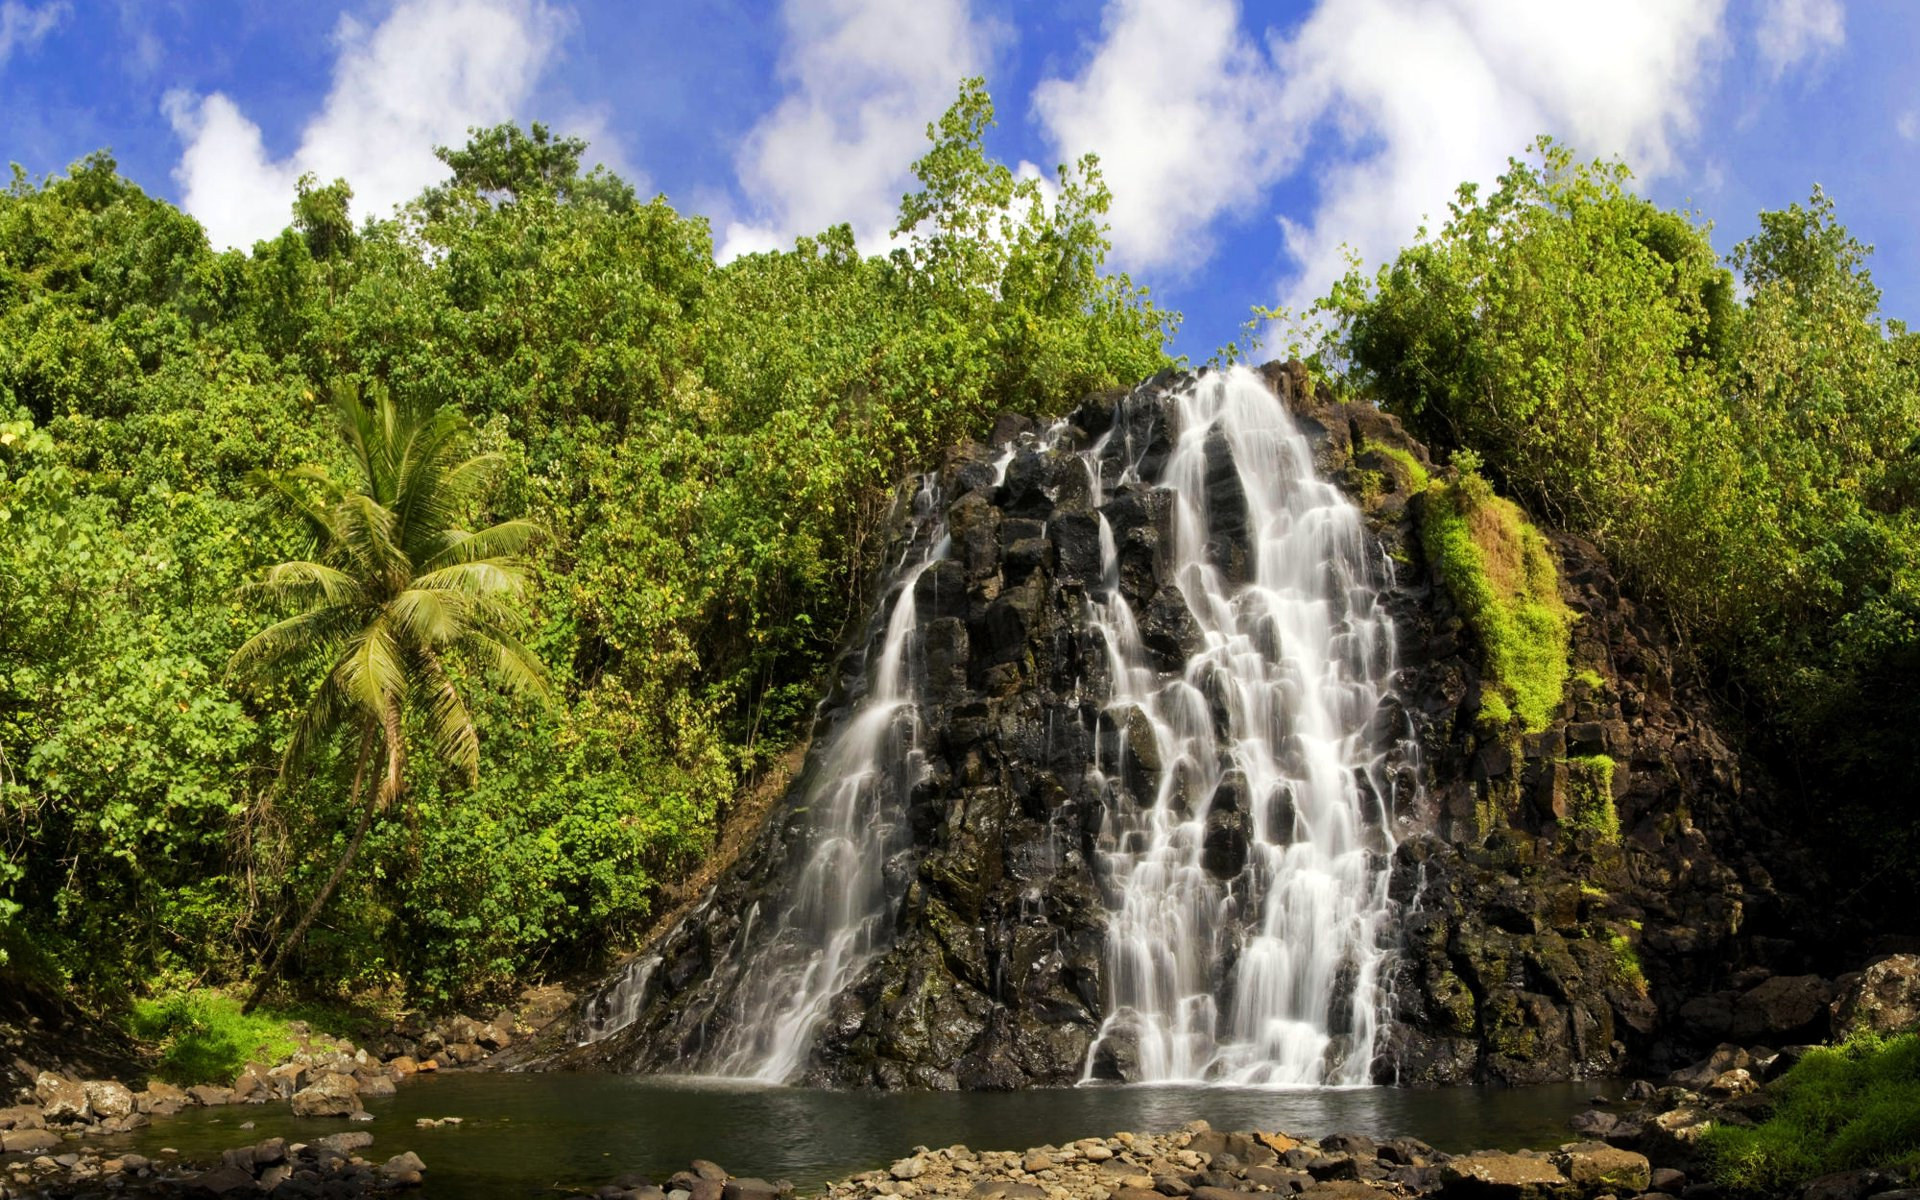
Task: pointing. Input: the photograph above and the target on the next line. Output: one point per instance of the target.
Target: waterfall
(1190, 587)
(1248, 884)
(838, 908)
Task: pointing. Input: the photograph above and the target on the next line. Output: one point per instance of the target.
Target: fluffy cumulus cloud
(419, 78)
(1416, 97)
(23, 25)
(1794, 31)
(1185, 114)
(1394, 103)
(863, 79)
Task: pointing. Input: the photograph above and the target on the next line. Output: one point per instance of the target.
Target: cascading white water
(1270, 972)
(838, 906)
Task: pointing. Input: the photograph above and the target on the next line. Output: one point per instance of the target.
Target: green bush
(1842, 1108)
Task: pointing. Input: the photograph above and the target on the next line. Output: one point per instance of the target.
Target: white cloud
(1908, 125)
(1422, 96)
(1392, 103)
(418, 79)
(1793, 31)
(23, 25)
(864, 79)
(1184, 113)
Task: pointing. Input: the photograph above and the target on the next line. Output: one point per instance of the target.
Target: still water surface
(526, 1134)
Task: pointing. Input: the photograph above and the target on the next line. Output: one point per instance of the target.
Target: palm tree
(394, 589)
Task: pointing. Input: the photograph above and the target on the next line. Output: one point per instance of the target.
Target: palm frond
(370, 672)
(455, 740)
(492, 576)
(303, 582)
(325, 709)
(280, 490)
(429, 617)
(309, 633)
(512, 665)
(501, 541)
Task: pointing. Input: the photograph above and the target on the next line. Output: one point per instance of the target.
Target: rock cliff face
(1527, 946)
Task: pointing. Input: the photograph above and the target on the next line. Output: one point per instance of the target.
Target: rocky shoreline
(44, 1135)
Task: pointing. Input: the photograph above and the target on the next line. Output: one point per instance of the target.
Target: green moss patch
(1590, 799)
(1626, 962)
(1418, 479)
(1500, 572)
(1841, 1108)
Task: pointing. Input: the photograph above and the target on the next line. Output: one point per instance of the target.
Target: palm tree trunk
(333, 881)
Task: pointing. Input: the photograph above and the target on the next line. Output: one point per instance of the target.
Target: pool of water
(522, 1135)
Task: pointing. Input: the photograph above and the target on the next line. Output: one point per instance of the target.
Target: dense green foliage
(711, 452)
(1747, 456)
(1841, 1108)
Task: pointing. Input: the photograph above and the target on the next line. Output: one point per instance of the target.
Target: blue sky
(1246, 144)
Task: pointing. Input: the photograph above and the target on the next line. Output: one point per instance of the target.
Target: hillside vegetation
(703, 458)
(706, 452)
(1741, 439)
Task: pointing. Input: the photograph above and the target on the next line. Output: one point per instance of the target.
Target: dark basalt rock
(1514, 921)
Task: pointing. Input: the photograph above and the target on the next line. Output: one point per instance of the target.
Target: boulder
(288, 1078)
(28, 1141)
(404, 1169)
(63, 1101)
(1848, 1185)
(108, 1099)
(402, 1067)
(161, 1099)
(254, 1085)
(209, 1096)
(225, 1181)
(1884, 998)
(1672, 1136)
(25, 1116)
(908, 1168)
(1781, 1006)
(750, 1189)
(346, 1143)
(1509, 1176)
(331, 1095)
(374, 1084)
(1597, 1168)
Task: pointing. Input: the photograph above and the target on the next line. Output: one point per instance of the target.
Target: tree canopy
(710, 450)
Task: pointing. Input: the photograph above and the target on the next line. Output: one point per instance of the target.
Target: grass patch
(1592, 679)
(203, 1038)
(1590, 799)
(1500, 572)
(1841, 1108)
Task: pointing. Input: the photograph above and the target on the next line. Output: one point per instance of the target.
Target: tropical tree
(394, 591)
